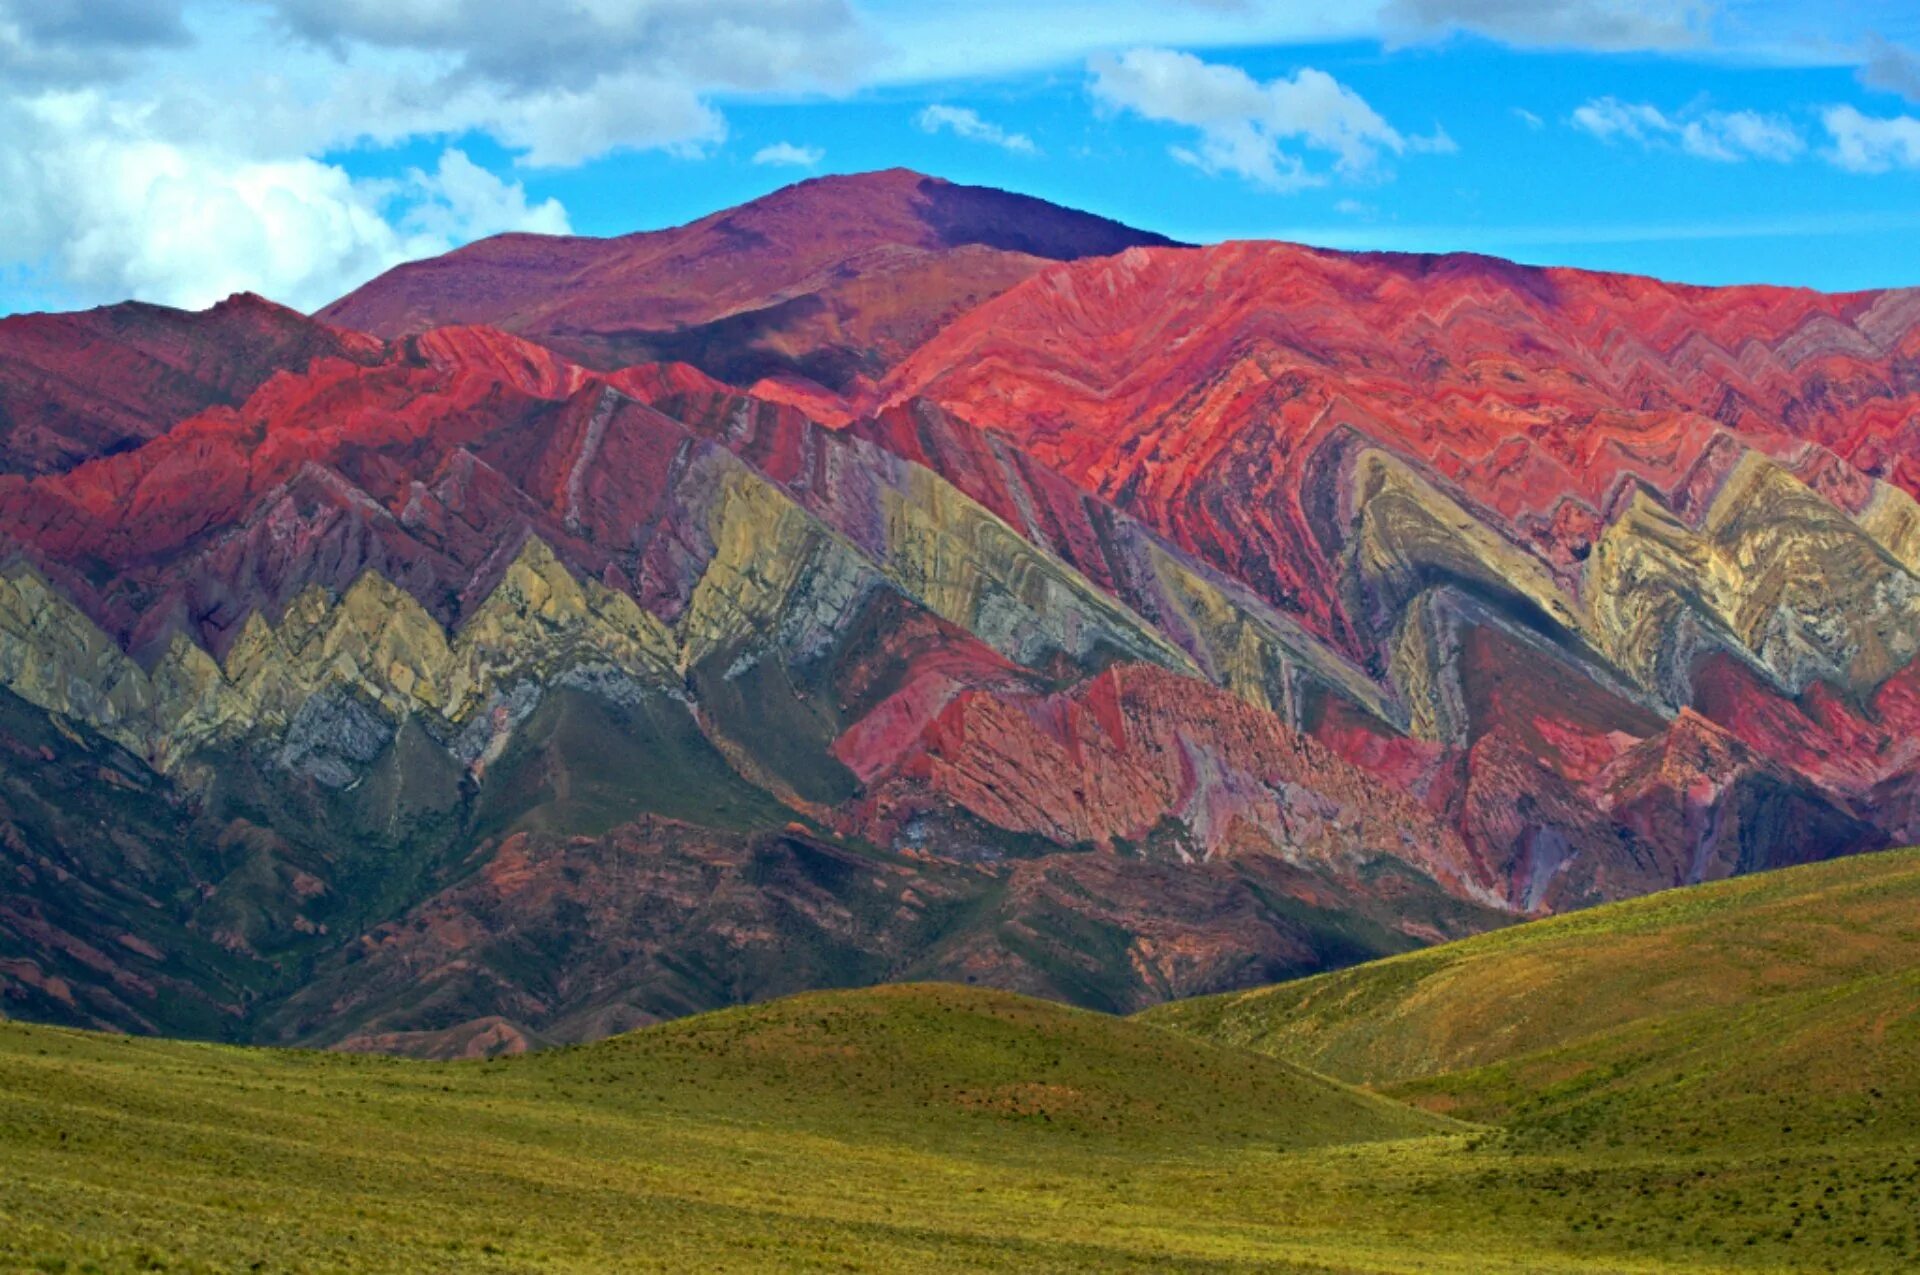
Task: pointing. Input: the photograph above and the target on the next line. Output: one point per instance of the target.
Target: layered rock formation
(1640, 486)
(1129, 627)
(74, 386)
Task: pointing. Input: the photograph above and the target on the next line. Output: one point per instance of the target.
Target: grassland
(1724, 1013)
(1719, 1079)
(1764, 1031)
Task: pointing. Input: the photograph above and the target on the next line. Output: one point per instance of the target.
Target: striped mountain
(1127, 627)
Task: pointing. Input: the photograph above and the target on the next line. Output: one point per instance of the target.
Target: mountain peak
(905, 206)
(833, 279)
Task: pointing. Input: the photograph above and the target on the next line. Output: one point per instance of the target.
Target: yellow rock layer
(766, 550)
(969, 567)
(1794, 582)
(1892, 518)
(1250, 655)
(375, 639)
(1410, 530)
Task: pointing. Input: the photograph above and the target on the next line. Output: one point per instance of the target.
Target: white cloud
(786, 154)
(1244, 126)
(1608, 26)
(1528, 118)
(567, 80)
(460, 201)
(107, 208)
(1723, 136)
(965, 122)
(1865, 144)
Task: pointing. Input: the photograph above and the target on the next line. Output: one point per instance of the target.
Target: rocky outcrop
(1773, 574)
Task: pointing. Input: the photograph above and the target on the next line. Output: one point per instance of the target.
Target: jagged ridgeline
(816, 691)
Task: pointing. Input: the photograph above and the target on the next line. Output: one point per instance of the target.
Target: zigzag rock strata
(992, 593)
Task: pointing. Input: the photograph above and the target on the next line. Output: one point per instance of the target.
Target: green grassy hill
(1719, 1079)
(1782, 1007)
(911, 1126)
(1760, 1034)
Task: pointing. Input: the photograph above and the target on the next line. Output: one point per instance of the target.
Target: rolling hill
(1767, 1016)
(1717, 1078)
(916, 1126)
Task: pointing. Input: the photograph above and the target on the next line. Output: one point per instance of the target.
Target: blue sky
(177, 150)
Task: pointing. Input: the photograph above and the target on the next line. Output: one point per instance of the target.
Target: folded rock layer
(893, 579)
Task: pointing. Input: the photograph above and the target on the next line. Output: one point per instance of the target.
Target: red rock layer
(1197, 388)
(418, 466)
(75, 386)
(1127, 757)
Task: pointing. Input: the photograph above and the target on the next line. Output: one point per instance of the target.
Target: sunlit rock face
(1659, 498)
(999, 598)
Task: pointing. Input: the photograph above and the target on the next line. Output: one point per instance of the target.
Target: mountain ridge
(1111, 629)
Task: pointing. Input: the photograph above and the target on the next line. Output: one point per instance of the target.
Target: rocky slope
(373, 630)
(1654, 499)
(75, 386)
(1173, 620)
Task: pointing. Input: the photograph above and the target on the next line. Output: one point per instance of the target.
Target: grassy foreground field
(1764, 1032)
(1718, 1079)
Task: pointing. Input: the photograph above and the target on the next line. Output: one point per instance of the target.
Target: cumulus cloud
(787, 155)
(109, 208)
(1865, 144)
(1723, 136)
(1891, 68)
(1247, 127)
(461, 201)
(1610, 26)
(965, 122)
